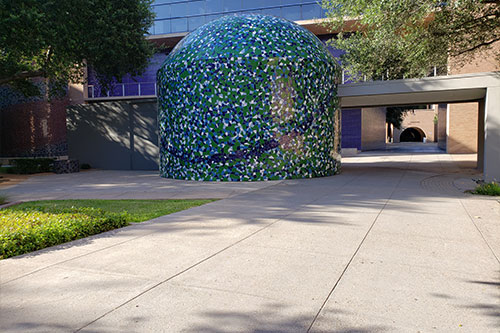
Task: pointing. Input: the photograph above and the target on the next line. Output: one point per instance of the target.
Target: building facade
(130, 139)
(174, 20)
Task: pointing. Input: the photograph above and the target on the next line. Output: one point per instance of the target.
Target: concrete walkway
(390, 245)
(107, 184)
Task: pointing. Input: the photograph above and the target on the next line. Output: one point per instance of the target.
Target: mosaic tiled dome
(249, 97)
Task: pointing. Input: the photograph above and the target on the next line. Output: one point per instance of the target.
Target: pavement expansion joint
(480, 233)
(357, 249)
(207, 258)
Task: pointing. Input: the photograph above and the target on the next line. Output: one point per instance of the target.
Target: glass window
(291, 13)
(311, 12)
(116, 90)
(196, 7)
(293, 2)
(158, 27)
(132, 89)
(272, 11)
(178, 25)
(164, 1)
(166, 27)
(151, 30)
(212, 17)
(162, 12)
(148, 89)
(254, 4)
(232, 5)
(195, 22)
(272, 3)
(179, 10)
(213, 6)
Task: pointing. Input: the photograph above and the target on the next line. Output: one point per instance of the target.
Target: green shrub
(85, 166)
(32, 165)
(7, 169)
(488, 189)
(23, 231)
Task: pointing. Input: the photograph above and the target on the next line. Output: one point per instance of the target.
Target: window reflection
(162, 12)
(232, 5)
(214, 6)
(166, 27)
(292, 13)
(196, 7)
(178, 25)
(187, 15)
(195, 22)
(310, 12)
(179, 10)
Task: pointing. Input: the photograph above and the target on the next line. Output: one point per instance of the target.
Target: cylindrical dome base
(249, 115)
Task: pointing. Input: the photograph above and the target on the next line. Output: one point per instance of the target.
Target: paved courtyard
(390, 245)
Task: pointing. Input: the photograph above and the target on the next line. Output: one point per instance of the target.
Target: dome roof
(253, 36)
(249, 97)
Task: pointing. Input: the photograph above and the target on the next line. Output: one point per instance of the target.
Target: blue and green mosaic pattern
(249, 97)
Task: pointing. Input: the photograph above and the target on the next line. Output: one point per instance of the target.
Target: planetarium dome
(249, 97)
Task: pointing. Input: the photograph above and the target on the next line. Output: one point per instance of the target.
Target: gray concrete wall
(118, 135)
(491, 152)
(373, 131)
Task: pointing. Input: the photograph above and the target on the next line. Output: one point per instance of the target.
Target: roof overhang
(440, 89)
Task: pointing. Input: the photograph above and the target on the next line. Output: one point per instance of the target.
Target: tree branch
(475, 47)
(22, 75)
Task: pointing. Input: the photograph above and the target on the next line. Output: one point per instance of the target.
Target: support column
(492, 134)
(480, 135)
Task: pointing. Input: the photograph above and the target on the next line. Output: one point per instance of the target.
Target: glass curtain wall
(175, 16)
(181, 16)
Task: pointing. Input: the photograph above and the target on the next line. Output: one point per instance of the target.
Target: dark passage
(412, 135)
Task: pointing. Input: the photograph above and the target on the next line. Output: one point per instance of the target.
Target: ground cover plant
(487, 189)
(25, 166)
(36, 225)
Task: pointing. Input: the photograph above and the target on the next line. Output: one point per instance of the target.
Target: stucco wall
(373, 128)
(121, 135)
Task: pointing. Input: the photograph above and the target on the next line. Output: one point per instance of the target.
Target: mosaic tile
(249, 97)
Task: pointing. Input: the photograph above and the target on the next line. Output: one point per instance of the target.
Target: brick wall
(462, 128)
(463, 118)
(35, 128)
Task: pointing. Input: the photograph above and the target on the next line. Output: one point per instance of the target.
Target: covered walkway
(483, 88)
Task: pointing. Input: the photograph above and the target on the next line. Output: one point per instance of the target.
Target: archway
(412, 134)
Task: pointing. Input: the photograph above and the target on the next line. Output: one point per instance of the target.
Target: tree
(405, 38)
(55, 40)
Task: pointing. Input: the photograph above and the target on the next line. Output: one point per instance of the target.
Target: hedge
(23, 231)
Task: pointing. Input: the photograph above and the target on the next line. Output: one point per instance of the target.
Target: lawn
(35, 225)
